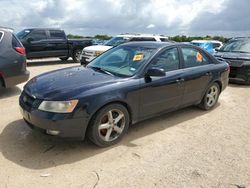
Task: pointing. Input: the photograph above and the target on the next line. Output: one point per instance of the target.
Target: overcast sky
(169, 17)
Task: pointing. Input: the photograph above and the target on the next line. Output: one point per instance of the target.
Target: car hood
(233, 55)
(98, 48)
(68, 83)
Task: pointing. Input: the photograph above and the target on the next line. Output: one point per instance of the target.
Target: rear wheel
(211, 97)
(109, 125)
(77, 56)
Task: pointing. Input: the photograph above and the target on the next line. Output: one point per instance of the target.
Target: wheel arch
(123, 103)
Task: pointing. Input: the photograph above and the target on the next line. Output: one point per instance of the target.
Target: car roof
(6, 29)
(153, 44)
(203, 41)
(141, 35)
(240, 38)
(32, 29)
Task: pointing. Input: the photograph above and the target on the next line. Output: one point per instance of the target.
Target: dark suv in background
(12, 60)
(45, 43)
(237, 53)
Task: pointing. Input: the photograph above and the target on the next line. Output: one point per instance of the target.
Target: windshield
(123, 60)
(22, 34)
(236, 46)
(115, 41)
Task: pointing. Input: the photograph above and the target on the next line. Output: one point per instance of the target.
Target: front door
(159, 94)
(36, 44)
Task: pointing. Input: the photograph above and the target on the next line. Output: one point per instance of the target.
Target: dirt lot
(187, 148)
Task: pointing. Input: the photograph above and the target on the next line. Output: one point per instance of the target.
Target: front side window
(123, 60)
(22, 34)
(193, 57)
(167, 60)
(38, 35)
(57, 34)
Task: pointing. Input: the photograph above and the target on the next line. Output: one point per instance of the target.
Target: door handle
(179, 80)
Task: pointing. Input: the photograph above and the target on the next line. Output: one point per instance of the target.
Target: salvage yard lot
(187, 148)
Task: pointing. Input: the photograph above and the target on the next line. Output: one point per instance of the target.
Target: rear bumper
(17, 79)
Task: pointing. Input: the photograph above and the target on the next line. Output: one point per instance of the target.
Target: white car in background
(91, 52)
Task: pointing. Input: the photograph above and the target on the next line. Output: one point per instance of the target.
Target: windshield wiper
(102, 70)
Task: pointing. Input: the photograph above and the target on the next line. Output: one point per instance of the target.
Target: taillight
(20, 50)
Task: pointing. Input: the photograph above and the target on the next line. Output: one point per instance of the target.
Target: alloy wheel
(212, 96)
(111, 125)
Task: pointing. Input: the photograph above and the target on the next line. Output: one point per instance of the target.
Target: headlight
(58, 106)
(98, 53)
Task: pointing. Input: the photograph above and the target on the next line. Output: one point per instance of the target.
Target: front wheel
(211, 97)
(76, 56)
(109, 125)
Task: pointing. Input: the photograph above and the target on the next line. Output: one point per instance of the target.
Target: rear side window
(16, 42)
(38, 35)
(57, 34)
(193, 57)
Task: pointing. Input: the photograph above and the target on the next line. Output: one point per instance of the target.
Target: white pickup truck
(91, 52)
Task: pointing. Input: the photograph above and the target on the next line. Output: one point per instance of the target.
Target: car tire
(77, 55)
(211, 97)
(109, 125)
(64, 58)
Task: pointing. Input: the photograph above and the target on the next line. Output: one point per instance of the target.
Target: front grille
(87, 54)
(28, 102)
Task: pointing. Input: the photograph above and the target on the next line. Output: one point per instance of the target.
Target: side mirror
(155, 72)
(29, 40)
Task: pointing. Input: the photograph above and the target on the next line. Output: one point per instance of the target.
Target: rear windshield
(16, 42)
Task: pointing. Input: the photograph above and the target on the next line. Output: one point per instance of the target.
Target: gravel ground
(187, 148)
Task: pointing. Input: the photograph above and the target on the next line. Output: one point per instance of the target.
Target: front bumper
(65, 125)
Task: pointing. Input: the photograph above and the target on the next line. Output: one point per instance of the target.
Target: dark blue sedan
(126, 84)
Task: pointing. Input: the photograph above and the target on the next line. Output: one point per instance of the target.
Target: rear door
(36, 44)
(164, 93)
(57, 43)
(197, 74)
